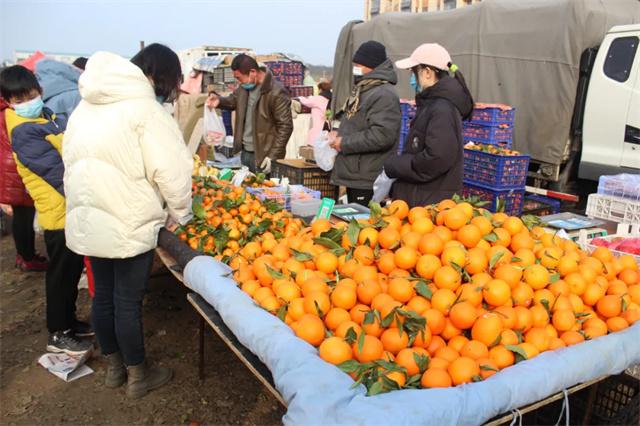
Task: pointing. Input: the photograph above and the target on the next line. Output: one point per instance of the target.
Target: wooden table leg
(201, 349)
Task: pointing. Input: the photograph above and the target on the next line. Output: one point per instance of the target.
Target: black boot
(116, 371)
(142, 379)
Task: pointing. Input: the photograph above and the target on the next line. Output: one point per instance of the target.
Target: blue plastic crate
(623, 186)
(502, 135)
(509, 201)
(493, 116)
(496, 171)
(540, 205)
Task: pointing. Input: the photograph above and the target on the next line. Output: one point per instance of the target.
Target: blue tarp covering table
(319, 393)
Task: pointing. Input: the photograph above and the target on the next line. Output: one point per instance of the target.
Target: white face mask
(357, 71)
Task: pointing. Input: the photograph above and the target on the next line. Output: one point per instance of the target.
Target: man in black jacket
(370, 123)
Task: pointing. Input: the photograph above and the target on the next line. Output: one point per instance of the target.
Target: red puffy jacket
(12, 191)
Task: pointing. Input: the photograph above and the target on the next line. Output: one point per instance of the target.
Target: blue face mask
(30, 109)
(413, 82)
(160, 99)
(248, 86)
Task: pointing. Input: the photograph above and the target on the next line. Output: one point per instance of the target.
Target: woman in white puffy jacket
(125, 160)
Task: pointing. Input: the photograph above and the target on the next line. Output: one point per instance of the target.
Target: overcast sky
(305, 27)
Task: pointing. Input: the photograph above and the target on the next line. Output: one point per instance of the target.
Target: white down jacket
(124, 158)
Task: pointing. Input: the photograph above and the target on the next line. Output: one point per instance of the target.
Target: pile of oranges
(436, 296)
(227, 219)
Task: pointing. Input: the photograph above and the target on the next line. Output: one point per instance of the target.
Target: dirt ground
(29, 395)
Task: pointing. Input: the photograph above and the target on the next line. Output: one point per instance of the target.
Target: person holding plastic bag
(370, 123)
(429, 168)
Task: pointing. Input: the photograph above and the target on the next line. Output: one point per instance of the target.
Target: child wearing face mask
(429, 168)
(35, 134)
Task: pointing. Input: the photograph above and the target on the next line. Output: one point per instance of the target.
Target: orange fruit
(364, 273)
(343, 329)
(296, 308)
(436, 378)
(399, 209)
(435, 320)
(504, 237)
(326, 262)
(418, 304)
(487, 329)
(358, 312)
(471, 293)
(422, 225)
(397, 376)
(577, 283)
(380, 300)
(487, 367)
(389, 238)
(454, 255)
(439, 363)
(427, 265)
(405, 258)
(474, 350)
(446, 277)
(367, 290)
(288, 291)
(469, 235)
(423, 338)
(442, 300)
(537, 276)
(502, 356)
(386, 263)
(335, 350)
(595, 327)
(524, 319)
(364, 255)
(509, 274)
(571, 337)
(394, 340)
(563, 319)
(335, 317)
(447, 353)
(430, 244)
(463, 315)
(310, 329)
(368, 236)
(540, 297)
(617, 287)
(539, 316)
(538, 337)
(513, 225)
(418, 213)
(319, 226)
(616, 324)
(631, 315)
(508, 337)
(566, 266)
(501, 253)
(609, 306)
(372, 349)
(556, 343)
(463, 370)
(522, 241)
(373, 328)
(507, 315)
(525, 257)
(496, 292)
(629, 276)
(344, 297)
(444, 233)
(450, 330)
(457, 342)
(530, 350)
(401, 289)
(476, 261)
(455, 218)
(405, 358)
(603, 254)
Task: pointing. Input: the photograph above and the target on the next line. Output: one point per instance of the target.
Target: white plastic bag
(240, 176)
(214, 130)
(382, 187)
(324, 155)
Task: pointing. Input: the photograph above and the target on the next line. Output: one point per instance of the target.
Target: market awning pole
(552, 194)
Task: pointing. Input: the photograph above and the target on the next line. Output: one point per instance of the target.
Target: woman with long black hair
(430, 165)
(125, 159)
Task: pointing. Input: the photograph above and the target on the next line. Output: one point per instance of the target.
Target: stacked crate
(291, 75)
(494, 177)
(408, 109)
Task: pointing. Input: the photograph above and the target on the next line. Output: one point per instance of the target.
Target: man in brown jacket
(263, 114)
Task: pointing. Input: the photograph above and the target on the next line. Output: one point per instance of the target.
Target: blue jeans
(120, 286)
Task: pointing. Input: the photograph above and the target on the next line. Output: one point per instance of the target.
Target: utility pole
(141, 44)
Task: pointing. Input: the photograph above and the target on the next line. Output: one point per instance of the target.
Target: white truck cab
(611, 127)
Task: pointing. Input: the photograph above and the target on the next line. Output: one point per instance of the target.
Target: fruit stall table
(316, 392)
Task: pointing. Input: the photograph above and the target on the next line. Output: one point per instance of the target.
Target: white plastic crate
(623, 231)
(615, 209)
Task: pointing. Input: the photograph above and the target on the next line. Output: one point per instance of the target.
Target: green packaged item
(324, 212)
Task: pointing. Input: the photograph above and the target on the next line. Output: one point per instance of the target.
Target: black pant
(248, 158)
(120, 285)
(63, 274)
(359, 196)
(23, 233)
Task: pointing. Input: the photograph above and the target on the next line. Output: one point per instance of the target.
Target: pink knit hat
(431, 54)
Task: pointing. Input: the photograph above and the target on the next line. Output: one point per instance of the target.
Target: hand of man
(266, 165)
(336, 143)
(7, 209)
(212, 101)
(171, 225)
